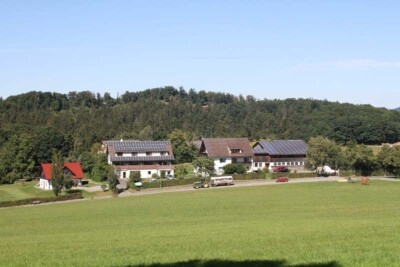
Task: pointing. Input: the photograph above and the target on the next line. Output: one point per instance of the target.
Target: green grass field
(315, 224)
(21, 191)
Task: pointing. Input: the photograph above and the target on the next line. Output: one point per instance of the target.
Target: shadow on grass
(228, 263)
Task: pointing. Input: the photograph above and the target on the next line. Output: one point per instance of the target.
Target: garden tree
(364, 161)
(183, 151)
(134, 176)
(57, 173)
(204, 166)
(389, 159)
(322, 151)
(183, 170)
(113, 181)
(17, 159)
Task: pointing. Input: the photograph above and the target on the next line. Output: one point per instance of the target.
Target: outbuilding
(72, 168)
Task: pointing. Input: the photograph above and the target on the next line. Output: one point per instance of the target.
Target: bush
(155, 175)
(162, 173)
(134, 176)
(234, 168)
(249, 176)
(230, 168)
(167, 183)
(294, 175)
(240, 169)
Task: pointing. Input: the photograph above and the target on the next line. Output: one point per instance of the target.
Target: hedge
(293, 175)
(166, 183)
(249, 176)
(28, 201)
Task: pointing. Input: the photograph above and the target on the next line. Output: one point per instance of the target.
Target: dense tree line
(35, 123)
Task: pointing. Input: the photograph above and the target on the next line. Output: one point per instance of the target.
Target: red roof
(73, 167)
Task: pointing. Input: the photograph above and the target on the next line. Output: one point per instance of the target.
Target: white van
(223, 180)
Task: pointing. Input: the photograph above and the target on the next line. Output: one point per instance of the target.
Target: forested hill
(75, 121)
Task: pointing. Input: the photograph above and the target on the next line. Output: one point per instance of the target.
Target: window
(123, 174)
(119, 154)
(148, 153)
(149, 172)
(236, 150)
(222, 160)
(134, 154)
(168, 172)
(256, 164)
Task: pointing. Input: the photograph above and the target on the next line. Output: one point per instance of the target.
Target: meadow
(322, 224)
(17, 191)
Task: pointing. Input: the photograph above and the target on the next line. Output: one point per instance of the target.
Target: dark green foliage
(230, 168)
(389, 158)
(134, 176)
(57, 173)
(113, 181)
(71, 123)
(183, 152)
(170, 183)
(249, 176)
(234, 168)
(293, 175)
(204, 166)
(183, 170)
(162, 174)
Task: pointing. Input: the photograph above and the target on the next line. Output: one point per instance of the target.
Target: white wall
(44, 184)
(145, 173)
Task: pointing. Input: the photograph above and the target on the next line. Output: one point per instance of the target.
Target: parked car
(281, 169)
(282, 180)
(153, 180)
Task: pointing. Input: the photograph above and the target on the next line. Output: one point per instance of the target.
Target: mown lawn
(21, 191)
(316, 224)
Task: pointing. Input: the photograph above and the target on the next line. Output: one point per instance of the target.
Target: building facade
(271, 154)
(146, 157)
(73, 169)
(227, 151)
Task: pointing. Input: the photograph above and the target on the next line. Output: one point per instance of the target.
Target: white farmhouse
(147, 157)
(227, 151)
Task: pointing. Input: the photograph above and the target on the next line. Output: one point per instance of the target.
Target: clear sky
(339, 50)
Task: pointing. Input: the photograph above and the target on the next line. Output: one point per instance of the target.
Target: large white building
(147, 157)
(288, 153)
(227, 151)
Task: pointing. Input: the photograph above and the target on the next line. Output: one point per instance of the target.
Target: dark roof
(220, 147)
(144, 158)
(136, 146)
(281, 147)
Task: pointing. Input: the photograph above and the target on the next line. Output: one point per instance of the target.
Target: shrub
(155, 175)
(134, 176)
(229, 168)
(294, 175)
(249, 176)
(162, 173)
(240, 169)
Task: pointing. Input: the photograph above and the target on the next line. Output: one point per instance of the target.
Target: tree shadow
(228, 263)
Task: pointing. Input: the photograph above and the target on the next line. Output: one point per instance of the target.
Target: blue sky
(345, 51)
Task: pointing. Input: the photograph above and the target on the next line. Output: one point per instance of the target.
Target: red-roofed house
(72, 168)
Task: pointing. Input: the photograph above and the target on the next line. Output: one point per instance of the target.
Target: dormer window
(236, 151)
(134, 154)
(148, 153)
